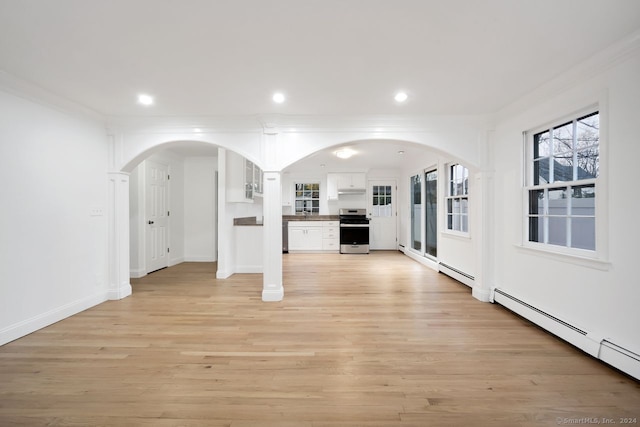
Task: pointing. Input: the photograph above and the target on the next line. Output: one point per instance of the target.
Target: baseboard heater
(615, 355)
(454, 273)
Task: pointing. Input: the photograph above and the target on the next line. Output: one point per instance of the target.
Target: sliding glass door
(416, 213)
(424, 213)
(431, 212)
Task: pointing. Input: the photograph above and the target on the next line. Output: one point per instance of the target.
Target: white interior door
(383, 215)
(156, 210)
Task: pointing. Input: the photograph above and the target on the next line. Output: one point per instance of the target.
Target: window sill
(456, 234)
(584, 261)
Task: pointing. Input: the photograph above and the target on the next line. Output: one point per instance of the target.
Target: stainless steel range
(354, 231)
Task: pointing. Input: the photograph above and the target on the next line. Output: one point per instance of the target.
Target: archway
(276, 151)
(173, 206)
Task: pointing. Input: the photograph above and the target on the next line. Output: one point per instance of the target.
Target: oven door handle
(354, 225)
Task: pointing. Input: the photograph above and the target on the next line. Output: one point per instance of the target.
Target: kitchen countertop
(248, 220)
(311, 218)
(253, 221)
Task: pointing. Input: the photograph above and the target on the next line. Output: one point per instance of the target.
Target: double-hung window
(563, 169)
(307, 199)
(458, 198)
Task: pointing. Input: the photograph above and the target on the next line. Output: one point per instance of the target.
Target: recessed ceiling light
(145, 99)
(401, 152)
(278, 98)
(401, 96)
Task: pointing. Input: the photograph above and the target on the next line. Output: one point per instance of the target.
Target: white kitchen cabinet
(305, 236)
(287, 191)
(345, 181)
(332, 186)
(244, 179)
(331, 236)
(314, 236)
(350, 181)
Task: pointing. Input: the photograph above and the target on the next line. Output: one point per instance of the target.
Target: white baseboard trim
(595, 345)
(249, 269)
(137, 273)
(197, 258)
(456, 274)
(25, 327)
(273, 293)
(122, 292)
(480, 294)
(620, 358)
(422, 260)
(175, 261)
(223, 274)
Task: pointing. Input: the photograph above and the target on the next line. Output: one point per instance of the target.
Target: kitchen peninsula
(248, 233)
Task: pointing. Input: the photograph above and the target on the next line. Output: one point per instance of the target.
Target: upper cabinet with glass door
(244, 179)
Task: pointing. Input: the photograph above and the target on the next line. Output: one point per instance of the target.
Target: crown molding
(299, 124)
(29, 91)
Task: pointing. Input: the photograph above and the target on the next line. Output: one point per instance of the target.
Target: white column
(118, 229)
(272, 289)
(484, 246)
(225, 247)
(483, 242)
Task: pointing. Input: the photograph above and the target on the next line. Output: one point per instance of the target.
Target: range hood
(352, 190)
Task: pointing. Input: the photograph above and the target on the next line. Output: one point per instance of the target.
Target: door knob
(150, 222)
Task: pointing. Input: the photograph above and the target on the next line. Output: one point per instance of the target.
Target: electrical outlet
(96, 211)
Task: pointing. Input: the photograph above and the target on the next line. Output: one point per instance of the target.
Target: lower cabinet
(314, 236)
(331, 236)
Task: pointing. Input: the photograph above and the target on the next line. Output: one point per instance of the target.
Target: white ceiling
(330, 57)
(373, 154)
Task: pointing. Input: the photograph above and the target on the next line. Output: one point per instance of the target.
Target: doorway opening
(173, 208)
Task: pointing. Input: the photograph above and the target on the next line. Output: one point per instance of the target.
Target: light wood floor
(359, 340)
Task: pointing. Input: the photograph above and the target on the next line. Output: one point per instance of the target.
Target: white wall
(177, 207)
(54, 230)
(136, 217)
(601, 298)
(200, 209)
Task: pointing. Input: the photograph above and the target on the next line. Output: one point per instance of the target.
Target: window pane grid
(307, 198)
(566, 154)
(562, 220)
(457, 199)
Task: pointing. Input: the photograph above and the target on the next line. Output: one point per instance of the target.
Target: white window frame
(591, 258)
(451, 197)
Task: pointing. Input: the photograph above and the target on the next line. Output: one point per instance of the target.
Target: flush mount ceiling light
(344, 153)
(145, 99)
(401, 97)
(278, 98)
